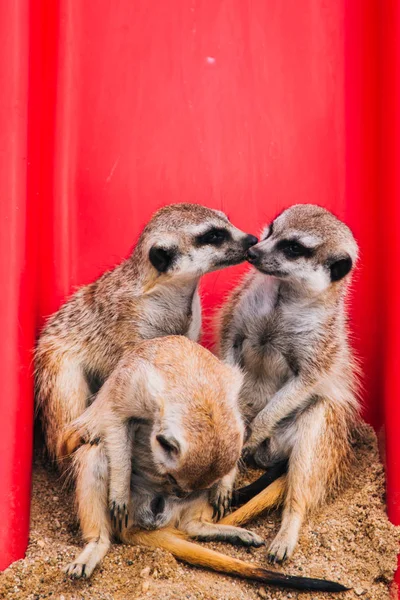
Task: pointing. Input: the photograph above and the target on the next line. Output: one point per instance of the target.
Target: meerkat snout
(249, 241)
(253, 254)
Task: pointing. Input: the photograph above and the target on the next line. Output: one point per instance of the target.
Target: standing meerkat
(168, 431)
(153, 293)
(286, 327)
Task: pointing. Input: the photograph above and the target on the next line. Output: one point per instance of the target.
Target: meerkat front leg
(124, 397)
(119, 451)
(286, 400)
(312, 460)
(91, 468)
(221, 495)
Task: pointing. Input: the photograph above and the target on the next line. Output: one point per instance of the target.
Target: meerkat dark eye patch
(293, 249)
(340, 268)
(213, 237)
(162, 259)
(170, 444)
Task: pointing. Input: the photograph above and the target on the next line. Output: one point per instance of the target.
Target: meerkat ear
(340, 268)
(161, 258)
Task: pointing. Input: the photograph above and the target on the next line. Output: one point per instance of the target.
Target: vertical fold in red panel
(59, 49)
(16, 282)
(390, 240)
(362, 192)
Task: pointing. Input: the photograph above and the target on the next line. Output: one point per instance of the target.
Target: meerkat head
(196, 448)
(190, 240)
(306, 244)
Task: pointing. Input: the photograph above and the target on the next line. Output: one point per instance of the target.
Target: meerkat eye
(170, 445)
(213, 237)
(292, 249)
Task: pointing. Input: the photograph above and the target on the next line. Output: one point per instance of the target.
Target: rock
(145, 572)
(262, 593)
(359, 591)
(40, 543)
(145, 586)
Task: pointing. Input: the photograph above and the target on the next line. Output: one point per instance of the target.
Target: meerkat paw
(77, 570)
(119, 513)
(281, 548)
(83, 566)
(247, 538)
(221, 500)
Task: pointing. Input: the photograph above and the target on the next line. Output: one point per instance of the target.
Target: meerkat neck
(289, 292)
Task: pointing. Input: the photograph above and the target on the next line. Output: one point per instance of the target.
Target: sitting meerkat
(286, 327)
(167, 429)
(151, 294)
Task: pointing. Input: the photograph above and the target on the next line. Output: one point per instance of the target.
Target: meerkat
(168, 432)
(286, 327)
(151, 294)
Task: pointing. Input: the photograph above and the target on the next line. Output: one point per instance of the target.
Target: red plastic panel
(247, 106)
(238, 105)
(390, 251)
(17, 280)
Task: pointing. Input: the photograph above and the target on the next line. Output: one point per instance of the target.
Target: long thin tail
(244, 494)
(272, 496)
(176, 543)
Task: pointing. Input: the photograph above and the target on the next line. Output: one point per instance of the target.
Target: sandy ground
(350, 541)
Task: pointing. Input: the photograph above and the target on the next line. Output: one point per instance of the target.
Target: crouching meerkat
(151, 294)
(167, 430)
(286, 327)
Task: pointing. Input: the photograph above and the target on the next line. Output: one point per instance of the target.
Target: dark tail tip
(294, 582)
(312, 585)
(244, 494)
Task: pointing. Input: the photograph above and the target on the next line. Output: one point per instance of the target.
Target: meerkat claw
(119, 515)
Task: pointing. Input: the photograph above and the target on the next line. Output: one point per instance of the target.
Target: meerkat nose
(252, 255)
(250, 240)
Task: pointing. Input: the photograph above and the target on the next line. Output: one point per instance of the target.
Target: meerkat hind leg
(306, 481)
(91, 465)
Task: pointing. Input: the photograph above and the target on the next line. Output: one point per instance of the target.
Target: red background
(110, 109)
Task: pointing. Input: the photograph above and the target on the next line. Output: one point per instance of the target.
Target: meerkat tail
(271, 496)
(176, 543)
(246, 493)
